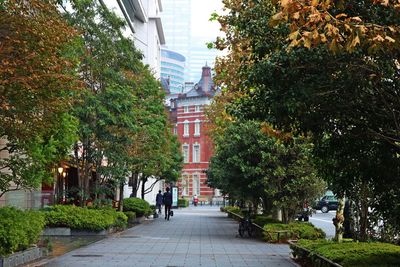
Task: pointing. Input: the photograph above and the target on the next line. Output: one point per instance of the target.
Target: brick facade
(187, 114)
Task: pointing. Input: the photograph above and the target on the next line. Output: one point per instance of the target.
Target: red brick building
(187, 114)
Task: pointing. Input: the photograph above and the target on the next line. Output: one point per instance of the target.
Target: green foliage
(295, 230)
(262, 220)
(251, 164)
(38, 82)
(121, 113)
(139, 206)
(131, 215)
(19, 229)
(234, 209)
(354, 254)
(84, 218)
(183, 202)
(345, 102)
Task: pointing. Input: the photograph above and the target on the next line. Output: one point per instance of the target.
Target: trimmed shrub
(83, 218)
(233, 209)
(139, 206)
(262, 220)
(19, 229)
(295, 230)
(131, 215)
(354, 254)
(183, 203)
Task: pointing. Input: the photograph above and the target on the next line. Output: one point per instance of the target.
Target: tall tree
(329, 94)
(251, 164)
(37, 84)
(107, 113)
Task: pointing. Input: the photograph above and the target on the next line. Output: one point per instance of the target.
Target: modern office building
(178, 22)
(144, 26)
(172, 70)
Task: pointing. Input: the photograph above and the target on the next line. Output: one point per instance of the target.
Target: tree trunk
(338, 221)
(121, 196)
(96, 185)
(144, 180)
(134, 183)
(285, 215)
(363, 213)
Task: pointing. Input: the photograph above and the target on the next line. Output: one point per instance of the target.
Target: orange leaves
(340, 31)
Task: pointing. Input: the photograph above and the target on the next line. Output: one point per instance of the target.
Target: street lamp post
(58, 185)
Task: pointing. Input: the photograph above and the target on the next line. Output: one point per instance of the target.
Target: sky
(201, 13)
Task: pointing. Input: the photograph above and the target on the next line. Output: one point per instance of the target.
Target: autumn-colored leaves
(332, 23)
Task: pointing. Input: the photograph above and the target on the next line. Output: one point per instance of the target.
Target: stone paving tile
(196, 236)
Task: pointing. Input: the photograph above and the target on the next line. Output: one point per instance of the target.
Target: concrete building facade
(144, 26)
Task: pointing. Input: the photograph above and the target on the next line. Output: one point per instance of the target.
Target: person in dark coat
(159, 201)
(167, 200)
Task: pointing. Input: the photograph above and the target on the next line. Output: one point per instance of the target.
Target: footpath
(195, 236)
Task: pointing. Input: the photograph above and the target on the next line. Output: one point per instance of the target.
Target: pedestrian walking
(195, 200)
(159, 201)
(167, 200)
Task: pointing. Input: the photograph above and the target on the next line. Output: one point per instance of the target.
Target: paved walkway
(196, 236)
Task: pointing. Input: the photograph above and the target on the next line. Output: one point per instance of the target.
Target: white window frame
(197, 108)
(185, 184)
(196, 184)
(185, 153)
(196, 154)
(185, 109)
(186, 128)
(196, 127)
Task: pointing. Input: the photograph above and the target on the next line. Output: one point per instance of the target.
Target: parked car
(327, 203)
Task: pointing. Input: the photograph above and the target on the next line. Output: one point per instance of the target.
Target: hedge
(84, 218)
(183, 203)
(262, 220)
(234, 209)
(19, 229)
(295, 230)
(355, 254)
(139, 206)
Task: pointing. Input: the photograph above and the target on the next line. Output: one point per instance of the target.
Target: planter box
(140, 219)
(57, 231)
(65, 231)
(23, 257)
(314, 259)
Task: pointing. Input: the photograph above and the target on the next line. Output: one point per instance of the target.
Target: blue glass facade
(173, 68)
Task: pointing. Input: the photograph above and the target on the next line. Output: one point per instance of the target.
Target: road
(324, 221)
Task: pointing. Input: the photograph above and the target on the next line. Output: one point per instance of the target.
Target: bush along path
(346, 254)
(21, 230)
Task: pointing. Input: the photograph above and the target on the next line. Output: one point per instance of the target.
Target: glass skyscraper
(177, 19)
(172, 69)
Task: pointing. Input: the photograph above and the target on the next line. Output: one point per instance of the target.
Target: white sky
(201, 13)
